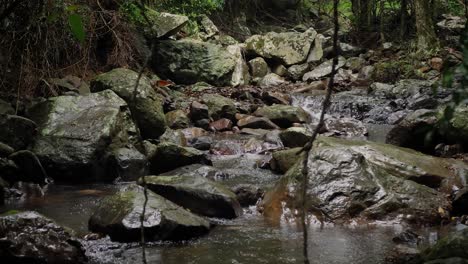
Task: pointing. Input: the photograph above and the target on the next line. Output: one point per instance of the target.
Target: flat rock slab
(197, 194)
(119, 217)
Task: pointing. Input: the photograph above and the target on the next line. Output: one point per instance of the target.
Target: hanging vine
(308, 147)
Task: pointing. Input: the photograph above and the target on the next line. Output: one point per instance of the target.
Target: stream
(249, 239)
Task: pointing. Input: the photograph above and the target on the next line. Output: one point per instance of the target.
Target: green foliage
(76, 26)
(191, 8)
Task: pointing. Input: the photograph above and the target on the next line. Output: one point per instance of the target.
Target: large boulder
(358, 179)
(241, 74)
(166, 24)
(119, 217)
(288, 47)
(75, 131)
(284, 115)
(168, 156)
(457, 131)
(146, 107)
(17, 132)
(198, 194)
(28, 237)
(189, 61)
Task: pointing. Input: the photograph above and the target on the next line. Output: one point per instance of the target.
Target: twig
(308, 147)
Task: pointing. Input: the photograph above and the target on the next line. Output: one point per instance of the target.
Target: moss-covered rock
(283, 160)
(220, 106)
(284, 115)
(146, 107)
(75, 131)
(119, 217)
(455, 245)
(168, 156)
(295, 137)
(198, 194)
(288, 47)
(259, 68)
(349, 179)
(190, 61)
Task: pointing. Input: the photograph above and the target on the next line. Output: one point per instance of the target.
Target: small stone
(198, 111)
(222, 124)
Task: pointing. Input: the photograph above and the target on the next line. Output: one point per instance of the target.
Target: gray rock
(355, 64)
(256, 122)
(174, 136)
(177, 119)
(197, 194)
(127, 164)
(259, 68)
(357, 179)
(295, 137)
(199, 111)
(168, 156)
(17, 132)
(75, 131)
(28, 237)
(240, 75)
(280, 70)
(162, 24)
(323, 70)
(119, 217)
(283, 115)
(316, 53)
(220, 106)
(272, 79)
(208, 27)
(297, 71)
(189, 61)
(147, 107)
(288, 47)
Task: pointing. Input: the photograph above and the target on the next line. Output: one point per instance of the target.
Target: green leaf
(76, 25)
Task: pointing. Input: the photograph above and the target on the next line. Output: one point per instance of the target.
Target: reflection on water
(250, 239)
(70, 206)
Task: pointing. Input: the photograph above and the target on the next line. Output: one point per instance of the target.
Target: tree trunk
(424, 25)
(362, 10)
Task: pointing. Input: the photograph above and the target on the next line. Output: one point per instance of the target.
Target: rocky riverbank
(222, 135)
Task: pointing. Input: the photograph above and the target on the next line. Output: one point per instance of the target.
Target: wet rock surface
(28, 237)
(197, 194)
(376, 181)
(119, 217)
(75, 131)
(146, 106)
